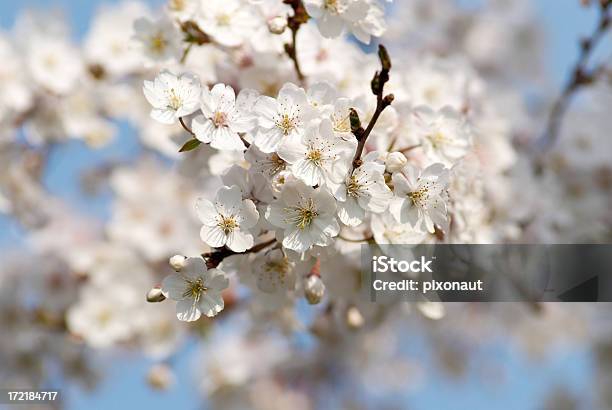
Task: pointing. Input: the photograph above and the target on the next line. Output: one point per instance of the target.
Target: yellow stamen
(227, 224)
(302, 216)
(194, 289)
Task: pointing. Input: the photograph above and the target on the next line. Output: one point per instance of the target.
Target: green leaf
(190, 145)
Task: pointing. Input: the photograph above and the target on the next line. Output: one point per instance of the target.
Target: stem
(292, 52)
(410, 148)
(300, 16)
(186, 128)
(186, 53)
(579, 77)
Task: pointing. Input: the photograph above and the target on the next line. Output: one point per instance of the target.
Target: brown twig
(580, 77)
(378, 84)
(214, 258)
(300, 16)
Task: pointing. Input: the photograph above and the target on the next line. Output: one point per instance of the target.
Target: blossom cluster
(263, 143)
(316, 184)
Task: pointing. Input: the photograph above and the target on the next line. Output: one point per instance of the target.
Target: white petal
(330, 26)
(206, 212)
(228, 200)
(308, 172)
(203, 128)
(239, 241)
(163, 116)
(350, 213)
(269, 140)
(297, 240)
(213, 236)
(211, 303)
(193, 268)
(174, 286)
(275, 214)
(248, 214)
(224, 139)
(187, 310)
(152, 95)
(216, 280)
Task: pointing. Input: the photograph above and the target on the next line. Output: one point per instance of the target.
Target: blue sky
(525, 382)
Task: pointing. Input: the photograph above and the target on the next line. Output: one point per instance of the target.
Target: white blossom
(270, 165)
(364, 190)
(183, 10)
(230, 22)
(362, 17)
(274, 272)
(420, 197)
(281, 119)
(320, 157)
(158, 40)
(196, 289)
(228, 220)
(305, 215)
(172, 96)
(55, 64)
(224, 117)
(443, 134)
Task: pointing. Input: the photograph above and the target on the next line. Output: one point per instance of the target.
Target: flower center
(227, 224)
(302, 216)
(174, 101)
(315, 156)
(353, 187)
(286, 124)
(224, 19)
(158, 43)
(437, 139)
(104, 317)
(276, 164)
(219, 119)
(431, 94)
(279, 266)
(341, 124)
(177, 5)
(322, 55)
(419, 196)
(194, 289)
(331, 5)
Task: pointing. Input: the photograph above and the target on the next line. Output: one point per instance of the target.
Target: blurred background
(522, 366)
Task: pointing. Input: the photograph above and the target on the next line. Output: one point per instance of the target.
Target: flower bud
(160, 377)
(277, 25)
(177, 262)
(314, 289)
(155, 295)
(395, 162)
(354, 318)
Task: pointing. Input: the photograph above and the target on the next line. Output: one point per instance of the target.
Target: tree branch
(214, 258)
(378, 84)
(580, 77)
